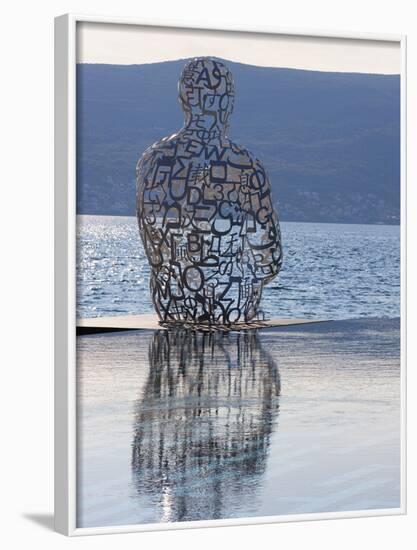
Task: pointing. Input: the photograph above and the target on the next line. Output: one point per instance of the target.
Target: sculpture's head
(206, 93)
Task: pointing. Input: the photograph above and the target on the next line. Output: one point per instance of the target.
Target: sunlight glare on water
(330, 271)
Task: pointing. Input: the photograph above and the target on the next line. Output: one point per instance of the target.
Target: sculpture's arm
(143, 174)
(150, 209)
(262, 231)
(159, 214)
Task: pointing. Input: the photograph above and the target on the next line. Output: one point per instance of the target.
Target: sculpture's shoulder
(241, 156)
(161, 148)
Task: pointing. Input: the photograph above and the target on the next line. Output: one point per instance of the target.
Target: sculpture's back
(205, 211)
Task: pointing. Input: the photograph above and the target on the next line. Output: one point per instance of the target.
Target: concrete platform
(149, 321)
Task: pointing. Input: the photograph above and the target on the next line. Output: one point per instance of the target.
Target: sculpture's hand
(262, 231)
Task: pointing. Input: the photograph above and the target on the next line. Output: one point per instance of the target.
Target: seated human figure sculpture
(205, 212)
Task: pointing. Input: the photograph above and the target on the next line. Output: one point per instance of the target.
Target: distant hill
(329, 141)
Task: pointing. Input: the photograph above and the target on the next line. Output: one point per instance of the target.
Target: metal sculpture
(204, 422)
(205, 211)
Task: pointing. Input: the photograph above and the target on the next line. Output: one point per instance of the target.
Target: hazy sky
(133, 44)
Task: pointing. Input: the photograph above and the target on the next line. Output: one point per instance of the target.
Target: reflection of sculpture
(205, 211)
(204, 422)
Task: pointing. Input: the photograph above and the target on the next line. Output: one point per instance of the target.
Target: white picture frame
(65, 277)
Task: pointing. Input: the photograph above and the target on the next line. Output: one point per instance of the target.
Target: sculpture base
(150, 321)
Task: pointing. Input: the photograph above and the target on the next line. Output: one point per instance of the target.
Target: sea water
(330, 271)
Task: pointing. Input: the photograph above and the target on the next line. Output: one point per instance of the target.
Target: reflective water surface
(177, 426)
(204, 421)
